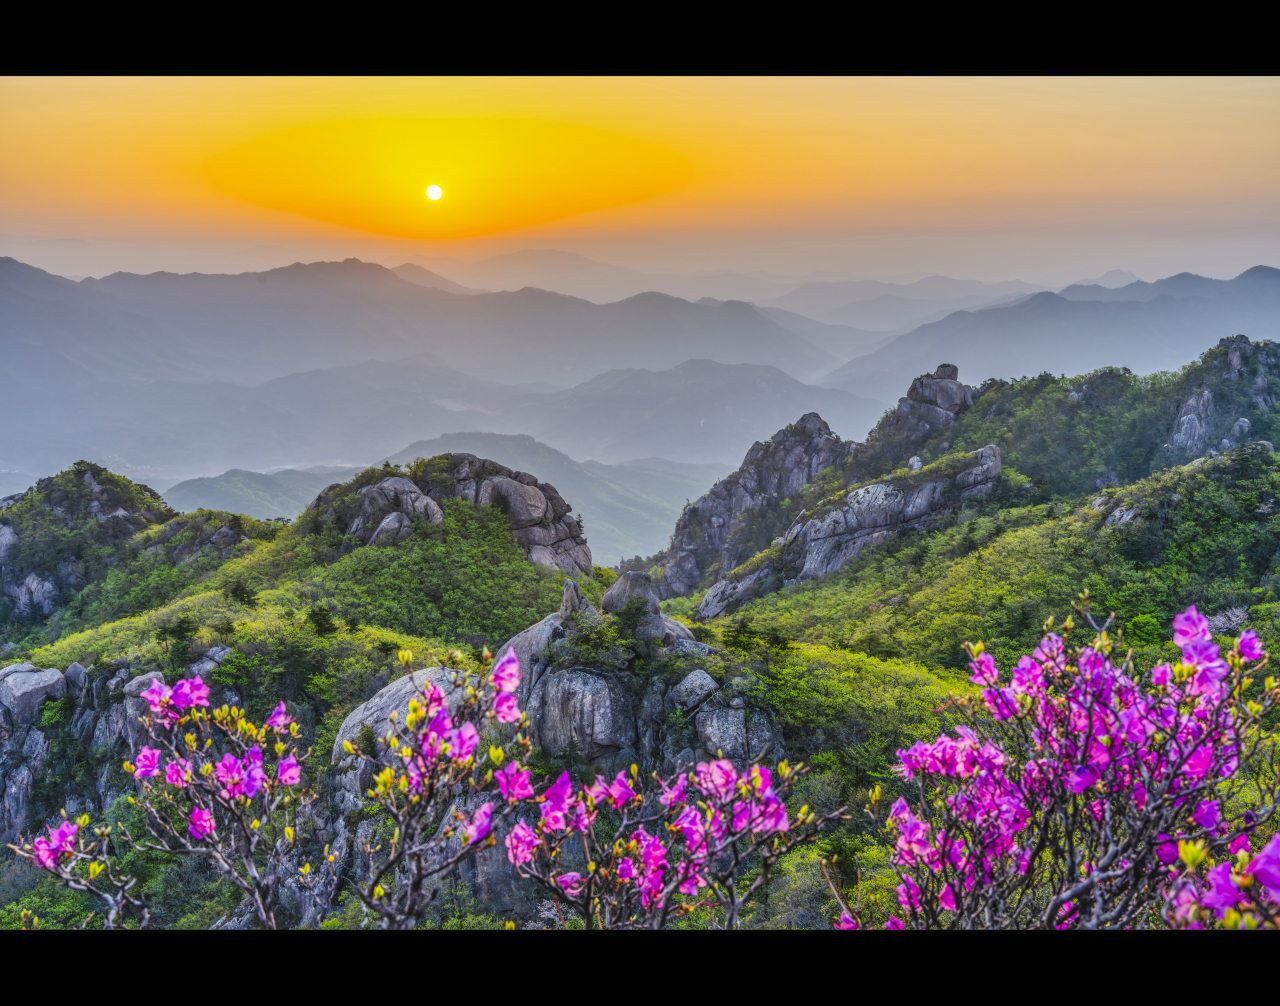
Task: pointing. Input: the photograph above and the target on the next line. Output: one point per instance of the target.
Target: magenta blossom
(521, 843)
(480, 824)
(1189, 627)
(279, 718)
(190, 692)
(506, 672)
(984, 670)
(1250, 646)
(255, 776)
(46, 855)
(1265, 867)
(617, 792)
(1221, 893)
(674, 794)
(1161, 675)
(1206, 814)
(289, 772)
(555, 803)
(847, 921)
(157, 695)
(583, 816)
(894, 923)
(1239, 844)
(627, 870)
(201, 823)
(463, 742)
(178, 772)
(506, 709)
(514, 784)
(148, 763)
(63, 837)
(571, 882)
(716, 778)
(947, 898)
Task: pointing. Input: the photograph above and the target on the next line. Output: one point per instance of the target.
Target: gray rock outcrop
(791, 458)
(384, 513)
(24, 689)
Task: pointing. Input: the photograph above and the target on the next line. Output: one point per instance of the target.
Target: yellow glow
(501, 173)
(314, 157)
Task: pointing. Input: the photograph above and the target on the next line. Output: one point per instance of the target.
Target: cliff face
(792, 458)
(821, 541)
(383, 512)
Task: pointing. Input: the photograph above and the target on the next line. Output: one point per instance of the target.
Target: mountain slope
(1048, 332)
(628, 509)
(262, 495)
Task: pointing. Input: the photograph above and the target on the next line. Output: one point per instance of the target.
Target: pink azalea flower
(513, 783)
(894, 923)
(506, 708)
(279, 718)
(1239, 844)
(847, 921)
(1265, 867)
(675, 794)
(506, 672)
(1209, 667)
(984, 670)
(1167, 850)
(1200, 762)
(1251, 646)
(1221, 893)
(653, 854)
(556, 803)
(716, 778)
(627, 870)
(1161, 675)
(1189, 627)
(289, 772)
(255, 776)
(63, 837)
(619, 792)
(583, 818)
(177, 772)
(191, 692)
(157, 695)
(598, 790)
(908, 894)
(147, 763)
(947, 898)
(479, 826)
(463, 742)
(1028, 677)
(571, 883)
(46, 854)
(201, 823)
(521, 843)
(1206, 814)
(1082, 779)
(230, 773)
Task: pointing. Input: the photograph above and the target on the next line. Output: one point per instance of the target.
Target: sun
(434, 192)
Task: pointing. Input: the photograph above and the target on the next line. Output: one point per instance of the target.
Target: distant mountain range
(1143, 326)
(257, 326)
(629, 509)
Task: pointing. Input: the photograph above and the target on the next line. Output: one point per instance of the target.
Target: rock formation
(791, 458)
(835, 532)
(384, 512)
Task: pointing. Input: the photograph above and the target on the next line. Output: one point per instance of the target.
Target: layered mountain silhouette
(1146, 327)
(257, 326)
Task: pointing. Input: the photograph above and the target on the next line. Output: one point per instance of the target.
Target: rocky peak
(380, 507)
(933, 401)
(774, 470)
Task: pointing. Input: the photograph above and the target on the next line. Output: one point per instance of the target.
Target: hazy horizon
(1044, 180)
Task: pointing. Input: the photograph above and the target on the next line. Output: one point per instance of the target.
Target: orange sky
(701, 173)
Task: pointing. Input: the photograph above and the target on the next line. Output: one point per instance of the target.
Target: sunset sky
(1041, 179)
